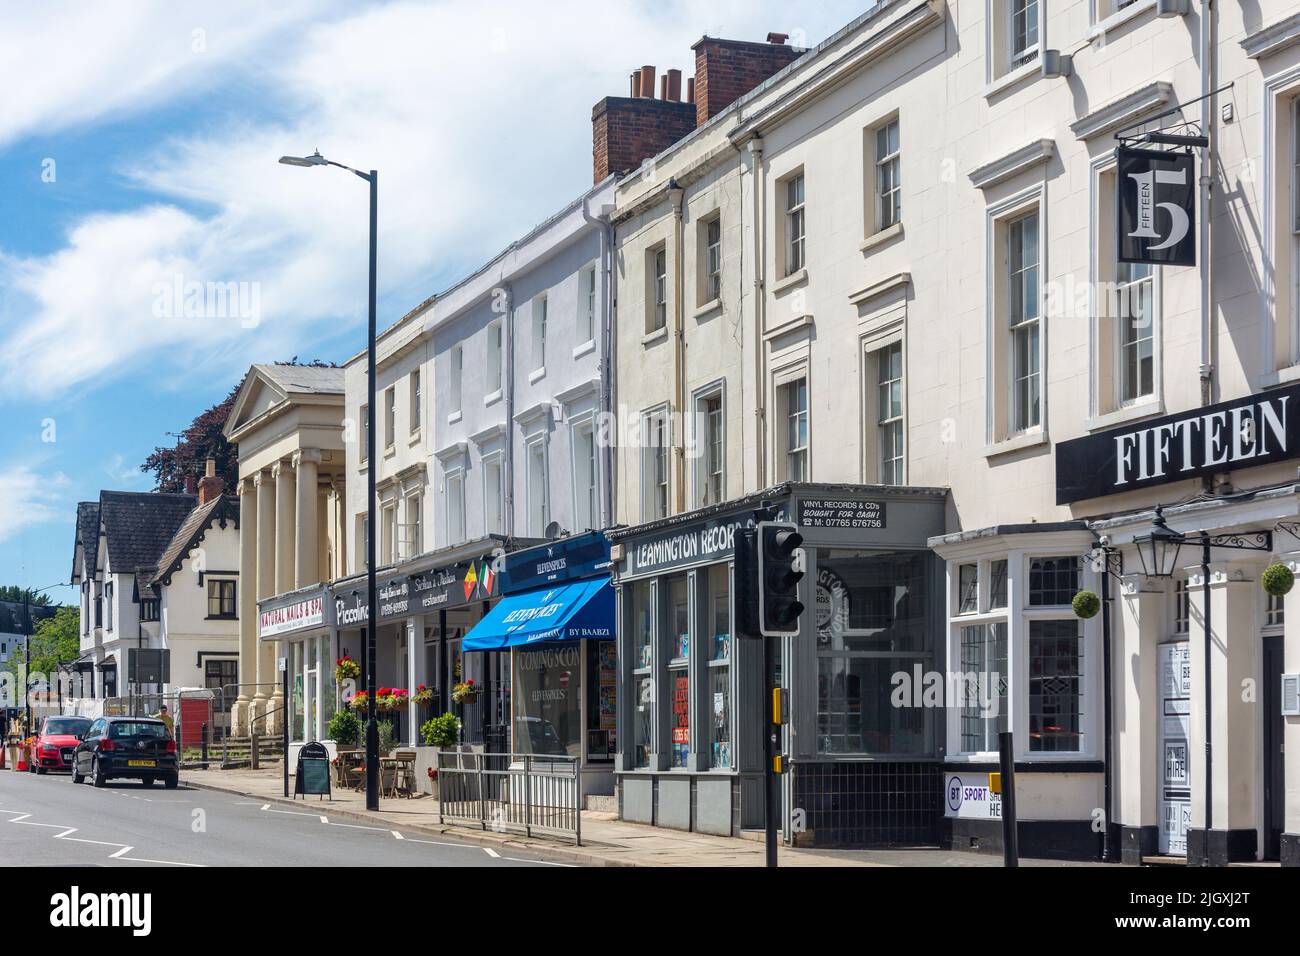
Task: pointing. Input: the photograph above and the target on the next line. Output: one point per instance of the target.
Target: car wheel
(146, 781)
(173, 781)
(76, 777)
(40, 771)
(97, 776)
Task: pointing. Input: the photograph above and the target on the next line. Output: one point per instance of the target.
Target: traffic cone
(22, 760)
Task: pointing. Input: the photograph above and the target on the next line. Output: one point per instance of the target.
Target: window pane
(1055, 686)
(998, 584)
(548, 719)
(983, 686)
(1053, 581)
(855, 713)
(968, 589)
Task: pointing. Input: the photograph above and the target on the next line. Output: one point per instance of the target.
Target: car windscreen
(76, 726)
(134, 728)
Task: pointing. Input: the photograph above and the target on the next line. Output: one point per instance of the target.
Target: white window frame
(586, 515)
(412, 506)
(656, 423)
(494, 497)
(537, 496)
(417, 399)
(795, 219)
(711, 246)
(1031, 51)
(788, 452)
(703, 441)
(363, 431)
(587, 305)
(892, 160)
(389, 547)
(456, 381)
(390, 417)
(885, 425)
(540, 307)
(1023, 323)
(454, 503)
(1003, 69)
(495, 341)
(656, 288)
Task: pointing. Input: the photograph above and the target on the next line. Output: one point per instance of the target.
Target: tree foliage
(14, 594)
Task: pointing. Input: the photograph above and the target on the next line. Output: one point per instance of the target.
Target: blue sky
(141, 152)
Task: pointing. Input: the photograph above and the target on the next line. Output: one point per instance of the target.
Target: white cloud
(28, 498)
(477, 115)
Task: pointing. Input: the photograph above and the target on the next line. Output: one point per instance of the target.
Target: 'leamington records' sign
(1255, 430)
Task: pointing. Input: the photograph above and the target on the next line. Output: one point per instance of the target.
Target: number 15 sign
(1156, 207)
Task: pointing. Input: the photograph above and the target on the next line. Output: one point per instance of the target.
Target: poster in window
(681, 718)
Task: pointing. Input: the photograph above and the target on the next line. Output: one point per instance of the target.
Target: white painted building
(928, 294)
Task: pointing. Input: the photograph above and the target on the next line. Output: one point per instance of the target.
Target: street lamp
(1158, 551)
(27, 650)
(372, 612)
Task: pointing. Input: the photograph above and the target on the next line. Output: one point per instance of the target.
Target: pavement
(49, 821)
(606, 840)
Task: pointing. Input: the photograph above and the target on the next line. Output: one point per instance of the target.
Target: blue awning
(566, 613)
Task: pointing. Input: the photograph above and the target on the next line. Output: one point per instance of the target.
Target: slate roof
(304, 378)
(87, 537)
(11, 615)
(187, 537)
(139, 526)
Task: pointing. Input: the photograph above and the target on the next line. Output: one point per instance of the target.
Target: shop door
(1274, 792)
(1175, 793)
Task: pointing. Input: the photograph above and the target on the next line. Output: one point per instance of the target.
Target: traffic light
(747, 583)
(780, 568)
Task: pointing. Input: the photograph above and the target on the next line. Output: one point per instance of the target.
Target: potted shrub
(345, 729)
(441, 732)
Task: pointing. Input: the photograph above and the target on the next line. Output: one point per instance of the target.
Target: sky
(138, 148)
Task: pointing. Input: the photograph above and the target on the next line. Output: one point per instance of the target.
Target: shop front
(554, 631)
(426, 607)
(860, 745)
(304, 621)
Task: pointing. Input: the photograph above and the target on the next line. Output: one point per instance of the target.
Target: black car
(140, 748)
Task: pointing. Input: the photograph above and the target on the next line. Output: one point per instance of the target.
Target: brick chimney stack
(726, 70)
(627, 130)
(210, 486)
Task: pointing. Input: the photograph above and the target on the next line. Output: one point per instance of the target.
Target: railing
(502, 792)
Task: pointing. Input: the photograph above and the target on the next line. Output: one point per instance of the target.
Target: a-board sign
(313, 774)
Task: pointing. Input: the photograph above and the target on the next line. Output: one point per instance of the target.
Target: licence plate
(142, 763)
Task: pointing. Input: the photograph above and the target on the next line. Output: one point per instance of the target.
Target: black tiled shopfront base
(870, 804)
(1290, 852)
(1041, 839)
(1137, 842)
(1226, 846)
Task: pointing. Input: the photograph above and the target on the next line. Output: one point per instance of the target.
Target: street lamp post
(372, 612)
(1158, 552)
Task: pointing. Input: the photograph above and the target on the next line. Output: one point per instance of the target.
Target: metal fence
(501, 791)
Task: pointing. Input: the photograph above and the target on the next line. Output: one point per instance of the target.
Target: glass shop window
(872, 624)
(1053, 581)
(602, 699)
(1055, 686)
(676, 638)
(717, 605)
(642, 630)
(983, 686)
(547, 697)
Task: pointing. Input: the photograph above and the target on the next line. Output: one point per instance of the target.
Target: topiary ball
(1086, 604)
(1277, 579)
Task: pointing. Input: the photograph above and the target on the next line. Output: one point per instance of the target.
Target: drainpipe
(508, 344)
(675, 195)
(760, 313)
(1206, 188)
(607, 345)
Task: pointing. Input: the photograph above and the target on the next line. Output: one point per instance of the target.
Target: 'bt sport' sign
(967, 796)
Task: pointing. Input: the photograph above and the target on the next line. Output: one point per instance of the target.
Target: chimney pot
(648, 81)
(210, 468)
(674, 80)
(636, 84)
(778, 38)
(690, 89)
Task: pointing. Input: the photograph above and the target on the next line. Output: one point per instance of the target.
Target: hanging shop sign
(1256, 430)
(1156, 214)
(566, 559)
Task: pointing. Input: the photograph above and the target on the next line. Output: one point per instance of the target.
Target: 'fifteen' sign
(1256, 430)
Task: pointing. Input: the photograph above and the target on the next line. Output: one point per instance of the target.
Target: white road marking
(65, 833)
(519, 859)
(436, 842)
(396, 835)
(492, 853)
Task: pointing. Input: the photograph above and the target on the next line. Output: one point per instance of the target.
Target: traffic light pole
(772, 780)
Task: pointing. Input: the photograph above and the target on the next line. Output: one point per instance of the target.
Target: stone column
(285, 482)
(415, 675)
(1137, 627)
(247, 605)
(1236, 775)
(1290, 850)
(267, 676)
(307, 563)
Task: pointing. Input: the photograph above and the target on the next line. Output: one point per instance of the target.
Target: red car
(52, 748)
